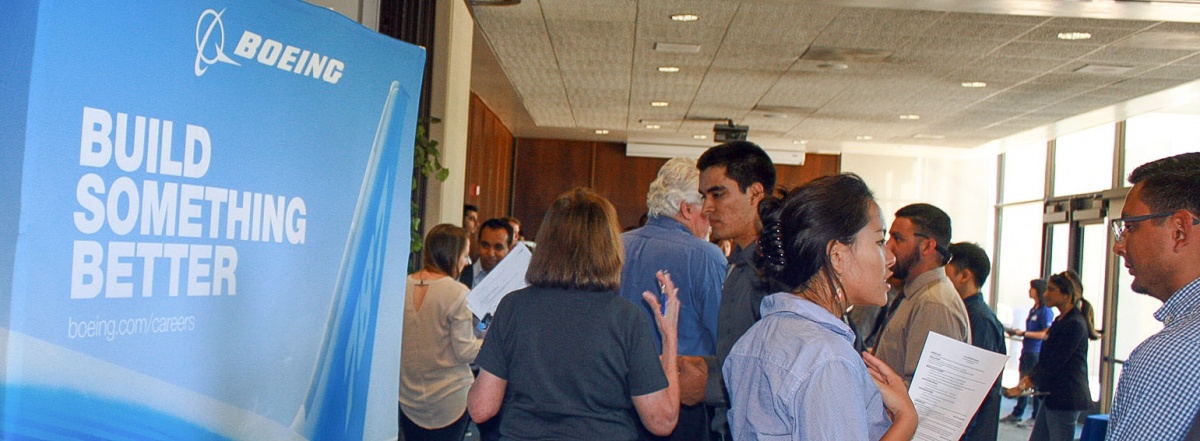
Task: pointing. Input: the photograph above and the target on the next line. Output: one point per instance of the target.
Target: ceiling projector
(730, 132)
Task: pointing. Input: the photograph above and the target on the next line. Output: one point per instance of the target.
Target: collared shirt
(1159, 390)
(986, 333)
(480, 273)
(472, 275)
(930, 304)
(986, 330)
(697, 268)
(741, 297)
(795, 375)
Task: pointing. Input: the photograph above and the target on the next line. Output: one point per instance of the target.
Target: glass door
(1078, 238)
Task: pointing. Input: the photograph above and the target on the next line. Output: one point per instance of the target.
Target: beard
(902, 266)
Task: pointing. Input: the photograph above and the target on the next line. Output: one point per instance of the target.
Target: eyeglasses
(1120, 226)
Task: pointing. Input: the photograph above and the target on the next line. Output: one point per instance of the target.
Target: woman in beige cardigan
(439, 344)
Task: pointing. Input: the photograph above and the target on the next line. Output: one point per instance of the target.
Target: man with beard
(1158, 235)
(928, 303)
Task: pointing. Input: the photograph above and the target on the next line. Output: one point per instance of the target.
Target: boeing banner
(205, 220)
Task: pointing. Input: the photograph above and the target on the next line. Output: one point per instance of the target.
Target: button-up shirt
(930, 304)
(741, 298)
(1159, 391)
(697, 268)
(795, 375)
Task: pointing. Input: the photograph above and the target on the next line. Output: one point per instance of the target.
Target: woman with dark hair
(1036, 324)
(567, 357)
(1061, 370)
(795, 374)
(438, 342)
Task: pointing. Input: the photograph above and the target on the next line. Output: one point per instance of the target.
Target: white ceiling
(825, 73)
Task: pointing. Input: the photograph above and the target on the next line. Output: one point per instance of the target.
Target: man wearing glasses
(1158, 235)
(929, 303)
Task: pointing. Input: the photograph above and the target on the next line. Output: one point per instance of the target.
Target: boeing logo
(204, 34)
(210, 50)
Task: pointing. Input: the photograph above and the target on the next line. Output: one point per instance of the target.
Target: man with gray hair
(673, 240)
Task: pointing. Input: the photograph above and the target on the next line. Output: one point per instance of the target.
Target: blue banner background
(271, 131)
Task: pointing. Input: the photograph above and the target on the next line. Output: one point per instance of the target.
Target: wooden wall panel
(815, 166)
(489, 162)
(624, 180)
(544, 169)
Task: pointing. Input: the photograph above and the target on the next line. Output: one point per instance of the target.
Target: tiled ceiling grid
(815, 71)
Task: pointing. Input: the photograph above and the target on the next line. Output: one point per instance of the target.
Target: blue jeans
(1054, 425)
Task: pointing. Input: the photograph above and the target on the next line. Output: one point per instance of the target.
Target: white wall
(963, 183)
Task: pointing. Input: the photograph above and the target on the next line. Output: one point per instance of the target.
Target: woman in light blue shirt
(795, 374)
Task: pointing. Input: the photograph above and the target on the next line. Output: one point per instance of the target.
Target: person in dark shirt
(734, 178)
(567, 357)
(1061, 371)
(969, 267)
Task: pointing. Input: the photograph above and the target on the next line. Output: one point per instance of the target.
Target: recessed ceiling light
(659, 103)
(601, 132)
(1074, 35)
(928, 136)
(699, 136)
(668, 69)
(653, 126)
(685, 17)
(833, 66)
(910, 117)
(864, 137)
(974, 84)
(799, 141)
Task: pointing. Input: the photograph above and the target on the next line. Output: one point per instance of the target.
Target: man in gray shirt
(929, 303)
(734, 178)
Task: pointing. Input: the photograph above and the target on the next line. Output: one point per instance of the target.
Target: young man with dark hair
(495, 241)
(1158, 236)
(969, 267)
(470, 218)
(734, 178)
(928, 303)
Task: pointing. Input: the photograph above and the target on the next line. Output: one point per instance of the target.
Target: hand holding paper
(951, 381)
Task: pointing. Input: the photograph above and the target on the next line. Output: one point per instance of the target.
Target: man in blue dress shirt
(1158, 235)
(673, 240)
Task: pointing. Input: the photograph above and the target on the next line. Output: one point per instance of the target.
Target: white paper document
(951, 381)
(506, 277)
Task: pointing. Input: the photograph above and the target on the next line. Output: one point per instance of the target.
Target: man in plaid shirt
(1158, 235)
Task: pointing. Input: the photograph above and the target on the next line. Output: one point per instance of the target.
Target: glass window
(1060, 240)
(1095, 247)
(1159, 135)
(1020, 251)
(1024, 173)
(1019, 261)
(1135, 317)
(1083, 161)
